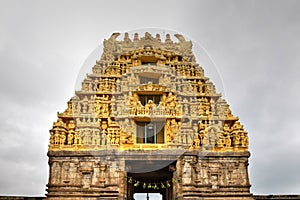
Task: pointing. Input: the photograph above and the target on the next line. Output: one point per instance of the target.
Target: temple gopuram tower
(147, 120)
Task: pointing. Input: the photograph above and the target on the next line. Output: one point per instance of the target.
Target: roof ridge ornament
(113, 47)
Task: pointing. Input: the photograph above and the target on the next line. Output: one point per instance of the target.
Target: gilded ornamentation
(110, 102)
(147, 101)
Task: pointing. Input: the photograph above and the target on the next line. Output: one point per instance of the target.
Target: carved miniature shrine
(147, 120)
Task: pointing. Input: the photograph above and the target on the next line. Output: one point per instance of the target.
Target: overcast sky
(255, 46)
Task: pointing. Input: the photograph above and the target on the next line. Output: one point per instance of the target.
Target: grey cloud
(22, 150)
(254, 44)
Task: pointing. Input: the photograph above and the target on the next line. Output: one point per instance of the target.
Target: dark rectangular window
(150, 132)
(145, 98)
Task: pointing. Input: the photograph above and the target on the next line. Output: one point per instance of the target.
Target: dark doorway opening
(158, 181)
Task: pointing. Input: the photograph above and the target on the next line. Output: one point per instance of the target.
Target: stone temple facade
(147, 120)
(256, 197)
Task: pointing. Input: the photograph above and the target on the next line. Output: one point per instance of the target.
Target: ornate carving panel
(137, 84)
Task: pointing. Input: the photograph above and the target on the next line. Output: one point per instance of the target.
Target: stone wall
(276, 197)
(94, 174)
(256, 197)
(21, 198)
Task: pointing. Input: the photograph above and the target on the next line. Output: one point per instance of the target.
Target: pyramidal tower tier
(147, 120)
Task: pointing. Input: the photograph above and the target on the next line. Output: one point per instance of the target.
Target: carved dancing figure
(96, 138)
(226, 128)
(103, 139)
(228, 141)
(52, 141)
(133, 103)
(244, 140)
(77, 139)
(62, 138)
(171, 101)
(70, 138)
(56, 137)
(197, 141)
(221, 142)
(173, 129)
(178, 110)
(149, 107)
(112, 140)
(236, 140)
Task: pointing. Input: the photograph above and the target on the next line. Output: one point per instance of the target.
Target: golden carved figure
(228, 141)
(77, 139)
(111, 94)
(56, 137)
(221, 142)
(62, 138)
(70, 138)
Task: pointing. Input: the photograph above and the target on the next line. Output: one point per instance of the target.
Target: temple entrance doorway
(156, 184)
(150, 196)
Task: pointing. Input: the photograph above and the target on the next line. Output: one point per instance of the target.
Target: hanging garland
(148, 185)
